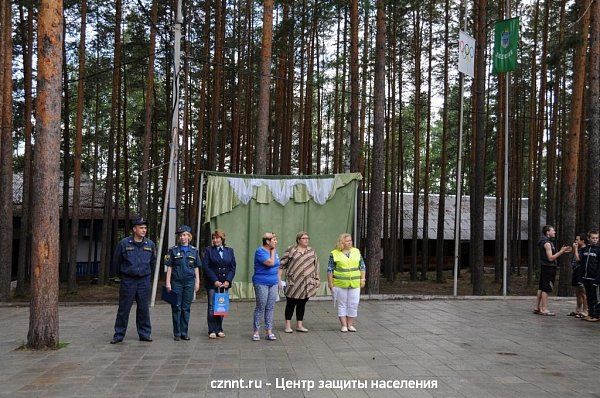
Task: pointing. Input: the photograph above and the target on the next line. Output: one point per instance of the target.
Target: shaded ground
(470, 348)
(88, 292)
(403, 285)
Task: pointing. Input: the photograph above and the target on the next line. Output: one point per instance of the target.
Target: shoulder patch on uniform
(167, 257)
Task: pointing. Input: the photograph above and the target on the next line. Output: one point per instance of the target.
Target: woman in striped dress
(301, 267)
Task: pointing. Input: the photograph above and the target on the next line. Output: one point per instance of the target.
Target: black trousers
(292, 303)
(592, 291)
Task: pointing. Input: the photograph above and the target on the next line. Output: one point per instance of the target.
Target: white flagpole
(170, 203)
(505, 196)
(175, 127)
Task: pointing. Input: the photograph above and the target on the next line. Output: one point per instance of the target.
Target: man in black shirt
(548, 256)
(590, 262)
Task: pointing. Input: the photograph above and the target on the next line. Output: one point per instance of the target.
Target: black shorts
(547, 278)
(576, 277)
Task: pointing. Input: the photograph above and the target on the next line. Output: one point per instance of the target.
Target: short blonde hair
(188, 233)
(339, 245)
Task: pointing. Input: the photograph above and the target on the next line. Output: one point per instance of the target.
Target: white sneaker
(351, 329)
(344, 329)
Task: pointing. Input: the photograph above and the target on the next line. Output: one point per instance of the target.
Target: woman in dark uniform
(218, 267)
(183, 277)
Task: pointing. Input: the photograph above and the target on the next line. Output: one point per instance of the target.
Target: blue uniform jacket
(134, 259)
(183, 262)
(216, 268)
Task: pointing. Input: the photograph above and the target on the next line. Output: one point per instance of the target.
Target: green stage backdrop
(245, 224)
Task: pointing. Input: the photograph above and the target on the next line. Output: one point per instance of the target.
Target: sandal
(270, 336)
(547, 313)
(573, 313)
(536, 311)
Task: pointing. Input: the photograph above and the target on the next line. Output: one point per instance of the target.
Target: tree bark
(147, 140)
(43, 315)
(477, 194)
(6, 155)
(375, 208)
(24, 260)
(107, 229)
(593, 164)
(77, 153)
(417, 144)
(262, 131)
(439, 246)
(354, 140)
(64, 223)
(570, 158)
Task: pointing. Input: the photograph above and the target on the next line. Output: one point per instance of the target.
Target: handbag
(168, 296)
(221, 304)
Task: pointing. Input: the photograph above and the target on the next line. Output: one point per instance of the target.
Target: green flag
(506, 42)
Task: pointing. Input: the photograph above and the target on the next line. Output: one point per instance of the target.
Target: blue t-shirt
(265, 275)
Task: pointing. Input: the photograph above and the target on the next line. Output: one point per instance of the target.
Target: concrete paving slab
(471, 348)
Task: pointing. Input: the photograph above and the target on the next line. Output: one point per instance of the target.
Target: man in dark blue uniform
(133, 260)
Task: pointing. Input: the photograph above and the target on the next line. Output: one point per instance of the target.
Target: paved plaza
(470, 348)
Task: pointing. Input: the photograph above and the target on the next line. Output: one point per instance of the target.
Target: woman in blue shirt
(266, 284)
(183, 277)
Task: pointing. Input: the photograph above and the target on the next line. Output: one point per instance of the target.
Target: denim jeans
(181, 310)
(215, 323)
(265, 305)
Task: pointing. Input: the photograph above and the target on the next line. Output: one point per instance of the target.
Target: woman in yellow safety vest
(345, 277)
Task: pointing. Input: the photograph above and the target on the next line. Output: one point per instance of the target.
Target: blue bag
(221, 304)
(168, 296)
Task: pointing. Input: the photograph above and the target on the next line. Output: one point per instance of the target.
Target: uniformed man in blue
(183, 278)
(133, 260)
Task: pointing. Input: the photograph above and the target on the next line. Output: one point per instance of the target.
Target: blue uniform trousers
(137, 289)
(181, 310)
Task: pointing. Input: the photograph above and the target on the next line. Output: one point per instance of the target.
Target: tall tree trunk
(262, 131)
(64, 223)
(354, 140)
(43, 310)
(425, 259)
(77, 153)
(107, 229)
(217, 87)
(6, 157)
(126, 187)
(308, 104)
(147, 140)
(417, 144)
(532, 228)
(552, 191)
(477, 194)
(593, 165)
(570, 158)
(375, 209)
(201, 113)
(24, 242)
(498, 233)
(439, 244)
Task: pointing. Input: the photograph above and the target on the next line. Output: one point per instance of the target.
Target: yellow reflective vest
(346, 273)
